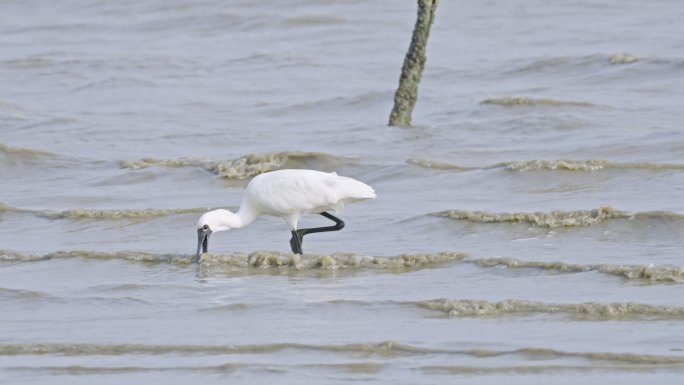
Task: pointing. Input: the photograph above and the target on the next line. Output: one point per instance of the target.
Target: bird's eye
(206, 227)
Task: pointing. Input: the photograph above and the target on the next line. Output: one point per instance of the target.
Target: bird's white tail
(351, 190)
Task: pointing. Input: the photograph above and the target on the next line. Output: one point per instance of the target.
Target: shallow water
(528, 229)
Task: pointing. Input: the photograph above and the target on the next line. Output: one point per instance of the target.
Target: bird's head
(211, 222)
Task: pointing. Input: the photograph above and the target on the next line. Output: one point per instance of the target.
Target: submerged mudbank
(588, 310)
(245, 166)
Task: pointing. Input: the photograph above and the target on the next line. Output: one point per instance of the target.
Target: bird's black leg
(298, 235)
(296, 242)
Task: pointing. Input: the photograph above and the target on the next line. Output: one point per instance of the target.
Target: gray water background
(526, 108)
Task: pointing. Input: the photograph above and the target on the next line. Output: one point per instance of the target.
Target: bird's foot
(298, 235)
(296, 241)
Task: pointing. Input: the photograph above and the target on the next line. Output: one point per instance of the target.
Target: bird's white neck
(246, 214)
(220, 220)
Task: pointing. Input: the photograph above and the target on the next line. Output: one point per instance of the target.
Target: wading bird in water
(288, 194)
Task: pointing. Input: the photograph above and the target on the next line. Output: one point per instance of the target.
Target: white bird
(288, 194)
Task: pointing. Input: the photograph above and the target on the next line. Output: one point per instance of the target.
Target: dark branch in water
(407, 93)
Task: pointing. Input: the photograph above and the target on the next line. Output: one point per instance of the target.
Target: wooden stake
(407, 93)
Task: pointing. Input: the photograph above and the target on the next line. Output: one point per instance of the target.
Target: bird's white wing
(287, 192)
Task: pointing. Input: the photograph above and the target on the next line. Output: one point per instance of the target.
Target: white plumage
(288, 194)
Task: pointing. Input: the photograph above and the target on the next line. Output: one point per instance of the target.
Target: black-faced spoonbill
(288, 194)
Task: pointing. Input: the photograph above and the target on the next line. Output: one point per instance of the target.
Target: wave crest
(23, 152)
(114, 214)
(244, 167)
(18, 256)
(10, 209)
(382, 349)
(258, 259)
(569, 165)
(80, 214)
(133, 256)
(585, 165)
(437, 165)
(664, 273)
(474, 308)
(348, 261)
(551, 164)
(623, 58)
(566, 65)
(577, 218)
(512, 101)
